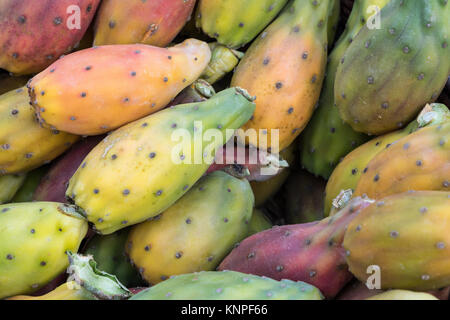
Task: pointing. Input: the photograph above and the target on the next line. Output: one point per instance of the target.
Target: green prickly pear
(109, 253)
(235, 23)
(9, 185)
(35, 237)
(153, 167)
(195, 233)
(25, 193)
(223, 61)
(259, 222)
(349, 171)
(409, 48)
(228, 285)
(406, 236)
(327, 138)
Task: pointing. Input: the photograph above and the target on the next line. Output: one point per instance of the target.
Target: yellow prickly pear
(35, 237)
(403, 295)
(284, 68)
(24, 144)
(96, 90)
(141, 169)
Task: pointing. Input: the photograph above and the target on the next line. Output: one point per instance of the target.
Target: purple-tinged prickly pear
(310, 252)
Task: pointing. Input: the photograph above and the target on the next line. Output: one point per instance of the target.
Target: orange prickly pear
(24, 144)
(420, 161)
(154, 22)
(36, 33)
(410, 48)
(284, 69)
(349, 171)
(96, 90)
(406, 236)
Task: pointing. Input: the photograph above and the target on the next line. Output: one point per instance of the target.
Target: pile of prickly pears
(224, 149)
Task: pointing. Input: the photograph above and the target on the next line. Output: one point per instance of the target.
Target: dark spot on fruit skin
(112, 24)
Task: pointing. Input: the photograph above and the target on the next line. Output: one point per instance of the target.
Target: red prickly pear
(310, 252)
(54, 184)
(36, 33)
(154, 22)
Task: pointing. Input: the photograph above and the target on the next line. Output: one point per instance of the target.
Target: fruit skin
(53, 185)
(237, 22)
(8, 82)
(410, 48)
(284, 68)
(109, 253)
(349, 171)
(25, 145)
(259, 222)
(113, 85)
(36, 33)
(327, 138)
(310, 252)
(25, 193)
(333, 21)
(403, 295)
(154, 168)
(35, 237)
(9, 185)
(391, 234)
(303, 196)
(228, 285)
(155, 22)
(420, 161)
(195, 233)
(66, 291)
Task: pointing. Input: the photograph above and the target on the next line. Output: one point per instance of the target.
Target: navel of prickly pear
(24, 144)
(35, 237)
(53, 185)
(96, 90)
(154, 22)
(410, 48)
(407, 236)
(420, 161)
(349, 171)
(195, 233)
(199, 91)
(310, 252)
(284, 69)
(36, 33)
(228, 285)
(223, 61)
(237, 22)
(154, 168)
(327, 138)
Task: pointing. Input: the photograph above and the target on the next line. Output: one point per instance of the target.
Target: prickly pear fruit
(410, 47)
(53, 185)
(228, 285)
(154, 22)
(36, 33)
(333, 21)
(24, 144)
(199, 91)
(67, 291)
(35, 237)
(25, 193)
(349, 171)
(303, 196)
(406, 236)
(109, 253)
(420, 161)
(356, 290)
(223, 61)
(235, 23)
(264, 190)
(195, 233)
(8, 82)
(310, 252)
(153, 167)
(79, 104)
(9, 185)
(403, 295)
(259, 222)
(284, 69)
(327, 138)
